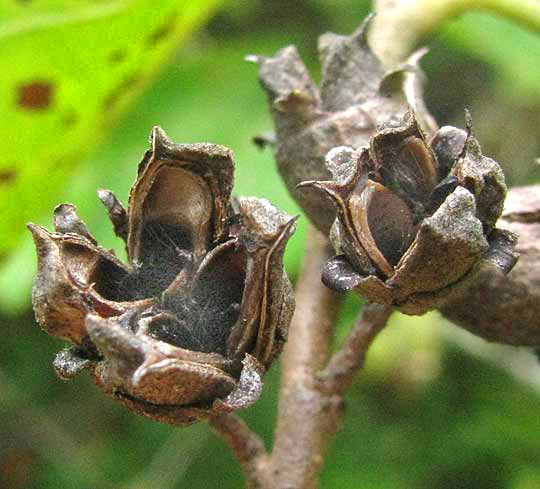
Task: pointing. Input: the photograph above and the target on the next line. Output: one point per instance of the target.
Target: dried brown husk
(187, 328)
(406, 233)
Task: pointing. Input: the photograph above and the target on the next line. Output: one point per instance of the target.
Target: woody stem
(308, 418)
(312, 389)
(350, 358)
(311, 398)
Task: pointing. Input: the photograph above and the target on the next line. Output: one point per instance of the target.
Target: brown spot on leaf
(162, 31)
(36, 95)
(8, 175)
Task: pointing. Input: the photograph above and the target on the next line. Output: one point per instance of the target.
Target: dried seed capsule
(187, 328)
(406, 233)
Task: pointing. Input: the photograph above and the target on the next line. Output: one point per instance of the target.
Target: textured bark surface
(308, 417)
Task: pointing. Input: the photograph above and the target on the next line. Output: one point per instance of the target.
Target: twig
(245, 444)
(308, 417)
(311, 403)
(345, 363)
(400, 24)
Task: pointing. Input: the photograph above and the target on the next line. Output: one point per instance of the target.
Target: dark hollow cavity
(205, 319)
(86, 267)
(164, 251)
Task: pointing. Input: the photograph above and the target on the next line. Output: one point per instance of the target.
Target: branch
(345, 363)
(245, 444)
(308, 418)
(400, 24)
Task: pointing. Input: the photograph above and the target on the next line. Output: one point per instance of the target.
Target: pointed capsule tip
(415, 57)
(159, 139)
(62, 212)
(42, 239)
(60, 208)
(470, 133)
(362, 31)
(103, 193)
(290, 226)
(468, 120)
(38, 232)
(307, 183)
(327, 187)
(66, 220)
(106, 197)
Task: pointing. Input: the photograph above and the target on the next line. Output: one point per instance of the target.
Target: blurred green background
(81, 85)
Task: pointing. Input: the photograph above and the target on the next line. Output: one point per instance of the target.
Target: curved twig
(338, 376)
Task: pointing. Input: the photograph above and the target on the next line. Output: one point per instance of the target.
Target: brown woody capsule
(187, 328)
(410, 231)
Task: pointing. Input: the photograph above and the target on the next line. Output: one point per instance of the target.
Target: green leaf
(511, 50)
(69, 70)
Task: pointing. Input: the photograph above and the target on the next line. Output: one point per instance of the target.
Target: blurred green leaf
(511, 50)
(69, 69)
